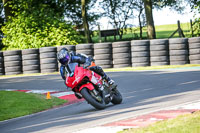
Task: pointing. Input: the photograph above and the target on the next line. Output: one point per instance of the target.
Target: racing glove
(88, 62)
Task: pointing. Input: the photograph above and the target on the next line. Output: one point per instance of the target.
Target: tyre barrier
(140, 53)
(12, 62)
(87, 49)
(69, 47)
(103, 55)
(121, 54)
(178, 51)
(194, 50)
(30, 61)
(159, 52)
(48, 59)
(2, 71)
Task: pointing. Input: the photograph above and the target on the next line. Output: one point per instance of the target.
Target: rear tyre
(91, 100)
(117, 97)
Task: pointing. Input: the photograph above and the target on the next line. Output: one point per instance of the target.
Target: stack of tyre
(12, 62)
(194, 50)
(30, 61)
(140, 53)
(103, 54)
(159, 52)
(48, 59)
(178, 51)
(86, 49)
(69, 47)
(121, 54)
(1, 64)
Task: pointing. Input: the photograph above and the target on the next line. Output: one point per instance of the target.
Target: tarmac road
(44, 82)
(143, 92)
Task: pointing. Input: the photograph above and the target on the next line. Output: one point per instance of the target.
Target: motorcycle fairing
(79, 74)
(90, 86)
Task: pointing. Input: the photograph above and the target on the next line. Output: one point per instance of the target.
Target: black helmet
(64, 56)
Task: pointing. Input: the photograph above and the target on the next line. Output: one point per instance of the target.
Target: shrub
(36, 24)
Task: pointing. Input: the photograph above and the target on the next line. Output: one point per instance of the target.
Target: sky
(167, 16)
(161, 17)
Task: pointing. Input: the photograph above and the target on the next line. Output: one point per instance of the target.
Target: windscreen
(71, 67)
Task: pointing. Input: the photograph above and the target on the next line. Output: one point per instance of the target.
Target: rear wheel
(117, 97)
(98, 103)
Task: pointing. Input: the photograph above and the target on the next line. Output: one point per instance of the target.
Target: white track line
(60, 94)
(39, 91)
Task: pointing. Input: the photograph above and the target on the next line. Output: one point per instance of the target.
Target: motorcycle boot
(99, 70)
(110, 81)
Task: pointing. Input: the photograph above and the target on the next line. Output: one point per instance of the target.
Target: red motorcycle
(95, 90)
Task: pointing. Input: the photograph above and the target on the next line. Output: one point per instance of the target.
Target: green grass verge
(187, 66)
(14, 104)
(182, 124)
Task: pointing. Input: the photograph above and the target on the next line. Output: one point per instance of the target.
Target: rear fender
(88, 85)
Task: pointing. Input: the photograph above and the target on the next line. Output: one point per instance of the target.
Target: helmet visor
(65, 60)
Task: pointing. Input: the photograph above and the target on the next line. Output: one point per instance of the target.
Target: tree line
(38, 23)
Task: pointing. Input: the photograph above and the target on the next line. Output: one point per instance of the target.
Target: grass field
(162, 31)
(182, 124)
(14, 104)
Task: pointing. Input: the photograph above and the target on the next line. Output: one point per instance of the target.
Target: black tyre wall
(69, 47)
(178, 51)
(102, 50)
(158, 46)
(86, 49)
(2, 70)
(194, 50)
(121, 54)
(12, 62)
(140, 54)
(30, 61)
(48, 53)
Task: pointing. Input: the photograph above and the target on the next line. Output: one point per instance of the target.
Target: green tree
(141, 16)
(7, 9)
(85, 21)
(82, 19)
(2, 19)
(195, 6)
(37, 23)
(118, 11)
(74, 14)
(151, 33)
(159, 4)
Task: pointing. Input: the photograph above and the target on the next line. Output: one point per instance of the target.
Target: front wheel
(98, 104)
(117, 97)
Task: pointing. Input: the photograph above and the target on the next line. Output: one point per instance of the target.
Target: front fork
(103, 93)
(103, 88)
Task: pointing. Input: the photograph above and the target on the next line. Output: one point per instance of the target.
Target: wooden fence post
(99, 33)
(191, 26)
(179, 30)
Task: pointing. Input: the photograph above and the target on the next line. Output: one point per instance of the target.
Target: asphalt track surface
(142, 91)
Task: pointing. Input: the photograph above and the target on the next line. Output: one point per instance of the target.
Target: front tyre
(117, 97)
(91, 100)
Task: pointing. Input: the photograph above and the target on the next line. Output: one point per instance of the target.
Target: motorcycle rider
(65, 57)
